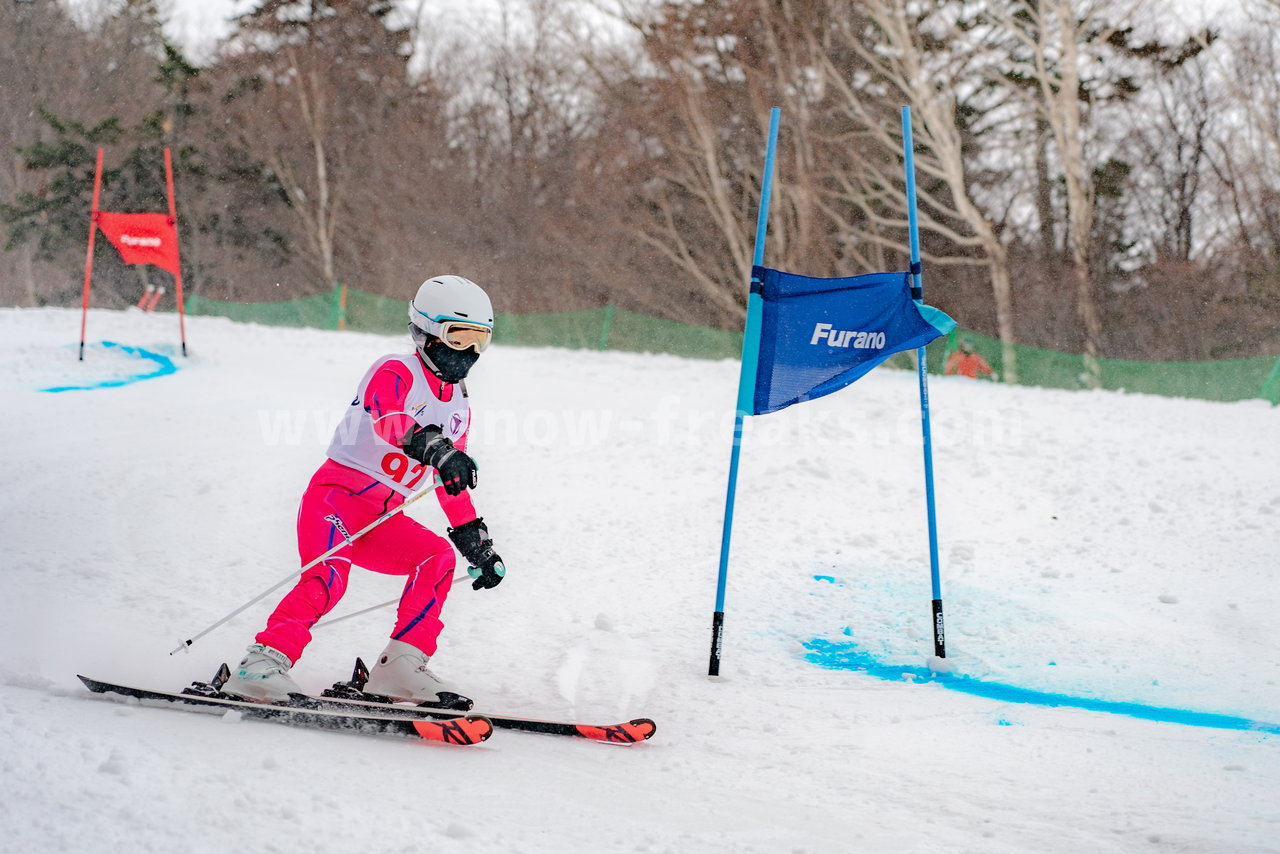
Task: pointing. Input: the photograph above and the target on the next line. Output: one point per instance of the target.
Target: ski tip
(479, 727)
(631, 732)
(642, 727)
(482, 726)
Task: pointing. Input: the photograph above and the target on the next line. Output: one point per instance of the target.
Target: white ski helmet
(442, 299)
(451, 322)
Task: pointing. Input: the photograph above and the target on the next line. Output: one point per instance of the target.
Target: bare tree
(693, 106)
(1172, 144)
(523, 120)
(933, 59)
(1246, 163)
(1057, 39)
(309, 85)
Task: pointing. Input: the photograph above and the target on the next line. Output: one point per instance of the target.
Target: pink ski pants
(341, 500)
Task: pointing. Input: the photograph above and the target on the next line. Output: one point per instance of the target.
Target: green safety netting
(1222, 379)
(318, 312)
(611, 328)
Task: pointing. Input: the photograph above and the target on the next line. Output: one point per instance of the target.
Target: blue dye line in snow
(845, 655)
(164, 367)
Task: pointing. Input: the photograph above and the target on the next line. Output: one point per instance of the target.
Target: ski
(628, 732)
(458, 729)
(350, 696)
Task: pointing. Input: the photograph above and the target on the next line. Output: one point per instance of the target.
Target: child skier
(409, 417)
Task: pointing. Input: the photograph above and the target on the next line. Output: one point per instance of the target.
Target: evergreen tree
(55, 215)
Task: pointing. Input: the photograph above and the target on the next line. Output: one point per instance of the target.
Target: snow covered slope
(1095, 547)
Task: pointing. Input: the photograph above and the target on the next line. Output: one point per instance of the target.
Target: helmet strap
(431, 366)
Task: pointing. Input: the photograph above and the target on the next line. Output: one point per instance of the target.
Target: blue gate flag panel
(819, 335)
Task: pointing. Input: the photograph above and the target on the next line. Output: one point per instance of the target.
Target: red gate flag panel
(143, 238)
(140, 238)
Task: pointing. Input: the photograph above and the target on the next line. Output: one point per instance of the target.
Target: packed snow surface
(1095, 547)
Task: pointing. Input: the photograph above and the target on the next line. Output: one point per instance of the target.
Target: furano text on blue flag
(819, 335)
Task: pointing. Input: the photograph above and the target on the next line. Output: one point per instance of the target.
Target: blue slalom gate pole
(746, 390)
(917, 293)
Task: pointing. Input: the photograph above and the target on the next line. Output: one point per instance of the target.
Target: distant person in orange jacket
(966, 363)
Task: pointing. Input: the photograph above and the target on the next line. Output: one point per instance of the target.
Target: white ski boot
(263, 674)
(401, 673)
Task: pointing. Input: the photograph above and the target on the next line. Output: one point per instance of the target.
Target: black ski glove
(427, 445)
(472, 539)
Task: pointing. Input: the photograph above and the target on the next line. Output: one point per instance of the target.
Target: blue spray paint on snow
(164, 367)
(845, 655)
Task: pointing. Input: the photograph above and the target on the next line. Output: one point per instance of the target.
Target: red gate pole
(177, 274)
(88, 260)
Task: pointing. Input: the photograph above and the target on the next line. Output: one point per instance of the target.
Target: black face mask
(449, 365)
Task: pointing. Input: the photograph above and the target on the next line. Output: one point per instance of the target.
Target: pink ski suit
(366, 475)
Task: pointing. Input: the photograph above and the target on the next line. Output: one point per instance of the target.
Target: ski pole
(348, 540)
(330, 622)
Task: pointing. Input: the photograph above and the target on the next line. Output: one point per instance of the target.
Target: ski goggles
(462, 336)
